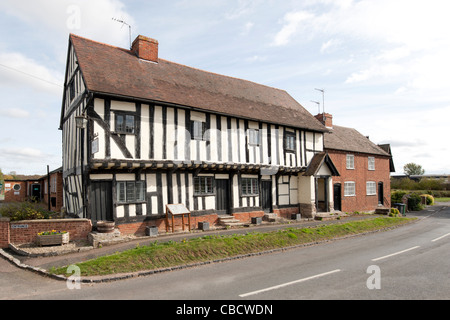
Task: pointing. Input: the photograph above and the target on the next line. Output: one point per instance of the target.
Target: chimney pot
(145, 48)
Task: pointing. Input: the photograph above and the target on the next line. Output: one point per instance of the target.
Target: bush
(396, 196)
(415, 202)
(430, 199)
(24, 211)
(394, 212)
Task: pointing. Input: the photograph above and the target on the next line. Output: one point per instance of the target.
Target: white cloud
(330, 45)
(292, 21)
(247, 27)
(92, 19)
(14, 113)
(19, 70)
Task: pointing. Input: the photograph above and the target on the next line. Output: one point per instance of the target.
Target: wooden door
(266, 196)
(101, 208)
(337, 197)
(222, 196)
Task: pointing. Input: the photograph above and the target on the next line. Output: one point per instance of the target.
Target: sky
(383, 64)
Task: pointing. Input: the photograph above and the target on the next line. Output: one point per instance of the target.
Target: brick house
(52, 189)
(22, 189)
(45, 189)
(364, 167)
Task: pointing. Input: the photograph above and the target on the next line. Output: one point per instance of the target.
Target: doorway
(380, 194)
(266, 195)
(222, 196)
(321, 183)
(337, 200)
(101, 208)
(36, 192)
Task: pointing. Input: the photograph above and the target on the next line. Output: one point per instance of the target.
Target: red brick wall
(58, 194)
(26, 231)
(4, 232)
(286, 212)
(12, 195)
(360, 175)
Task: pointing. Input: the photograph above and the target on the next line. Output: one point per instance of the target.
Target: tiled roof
(349, 139)
(112, 70)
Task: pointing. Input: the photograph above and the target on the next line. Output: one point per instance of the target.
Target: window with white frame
(289, 142)
(371, 164)
(198, 129)
(253, 137)
(130, 191)
(371, 188)
(350, 161)
(349, 189)
(53, 184)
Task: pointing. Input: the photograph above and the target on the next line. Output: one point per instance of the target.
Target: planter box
(52, 239)
(151, 231)
(203, 225)
(256, 220)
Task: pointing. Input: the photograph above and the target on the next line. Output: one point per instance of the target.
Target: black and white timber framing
(160, 154)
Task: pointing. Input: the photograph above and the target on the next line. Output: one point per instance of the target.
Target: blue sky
(383, 63)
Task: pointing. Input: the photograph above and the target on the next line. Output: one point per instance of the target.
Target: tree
(413, 169)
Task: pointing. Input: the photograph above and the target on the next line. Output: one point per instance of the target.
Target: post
(48, 187)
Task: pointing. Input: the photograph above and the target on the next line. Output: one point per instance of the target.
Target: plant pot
(105, 226)
(52, 239)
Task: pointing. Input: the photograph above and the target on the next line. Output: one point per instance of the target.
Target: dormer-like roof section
(119, 72)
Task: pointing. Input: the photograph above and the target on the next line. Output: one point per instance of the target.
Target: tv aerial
(126, 24)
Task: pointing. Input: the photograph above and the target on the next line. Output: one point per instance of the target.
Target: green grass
(208, 248)
(442, 199)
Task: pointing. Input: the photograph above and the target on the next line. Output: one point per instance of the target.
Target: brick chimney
(145, 48)
(326, 119)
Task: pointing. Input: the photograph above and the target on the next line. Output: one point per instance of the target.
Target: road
(410, 262)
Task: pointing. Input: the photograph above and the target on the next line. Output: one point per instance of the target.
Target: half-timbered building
(153, 132)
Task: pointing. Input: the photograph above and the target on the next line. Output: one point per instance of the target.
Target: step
(230, 221)
(270, 217)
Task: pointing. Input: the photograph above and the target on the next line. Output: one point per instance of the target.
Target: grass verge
(208, 248)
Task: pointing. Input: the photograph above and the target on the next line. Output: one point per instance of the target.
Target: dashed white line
(288, 283)
(445, 235)
(396, 253)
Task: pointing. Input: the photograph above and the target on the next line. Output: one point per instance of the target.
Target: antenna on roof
(318, 104)
(124, 23)
(323, 99)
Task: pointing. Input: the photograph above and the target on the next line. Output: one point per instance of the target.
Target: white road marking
(396, 253)
(445, 235)
(288, 283)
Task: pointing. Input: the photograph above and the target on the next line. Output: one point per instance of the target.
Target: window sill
(131, 202)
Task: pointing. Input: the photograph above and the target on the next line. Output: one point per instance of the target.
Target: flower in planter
(47, 233)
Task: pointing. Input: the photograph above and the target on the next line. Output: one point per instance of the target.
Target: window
(53, 185)
(350, 161)
(125, 123)
(349, 189)
(253, 137)
(198, 130)
(130, 191)
(72, 90)
(289, 142)
(371, 164)
(371, 188)
(203, 185)
(249, 186)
